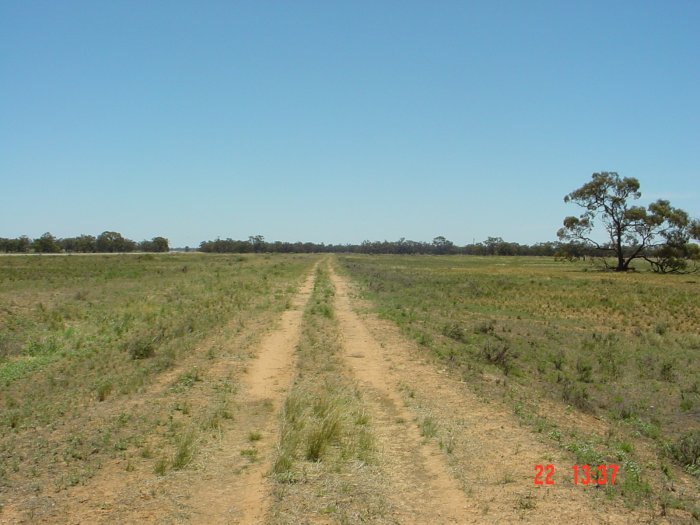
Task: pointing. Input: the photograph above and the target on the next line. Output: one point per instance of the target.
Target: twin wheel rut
(477, 468)
(488, 481)
(422, 489)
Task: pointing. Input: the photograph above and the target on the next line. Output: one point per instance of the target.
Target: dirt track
(488, 475)
(224, 495)
(476, 465)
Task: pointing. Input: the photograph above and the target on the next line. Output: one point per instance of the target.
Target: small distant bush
(667, 373)
(500, 354)
(454, 331)
(104, 388)
(686, 451)
(485, 327)
(143, 345)
(576, 395)
(558, 360)
(661, 328)
(585, 371)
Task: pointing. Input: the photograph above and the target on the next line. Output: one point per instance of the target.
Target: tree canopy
(658, 233)
(106, 242)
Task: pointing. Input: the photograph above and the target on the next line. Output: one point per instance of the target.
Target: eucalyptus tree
(658, 233)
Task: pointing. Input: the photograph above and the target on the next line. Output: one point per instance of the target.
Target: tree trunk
(621, 266)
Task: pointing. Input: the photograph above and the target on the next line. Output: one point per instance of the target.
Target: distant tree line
(114, 242)
(106, 242)
(439, 246)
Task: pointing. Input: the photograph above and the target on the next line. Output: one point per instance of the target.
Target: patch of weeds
(250, 453)
(447, 443)
(686, 403)
(454, 331)
(182, 406)
(12, 418)
(585, 453)
(625, 447)
(555, 434)
(216, 417)
(485, 327)
(424, 339)
(121, 445)
(576, 395)
(104, 389)
(558, 360)
(623, 408)
(365, 446)
(254, 436)
(686, 452)
(187, 379)
(143, 344)
(184, 451)
(283, 469)
(161, 467)
(507, 478)
(362, 418)
(667, 373)
(584, 369)
(661, 328)
(633, 486)
(646, 428)
(500, 354)
(526, 501)
(293, 410)
(428, 427)
(322, 435)
(322, 308)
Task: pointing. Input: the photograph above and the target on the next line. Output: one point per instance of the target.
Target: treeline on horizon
(439, 246)
(114, 242)
(106, 242)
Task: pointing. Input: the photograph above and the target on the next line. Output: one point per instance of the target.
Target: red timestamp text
(581, 474)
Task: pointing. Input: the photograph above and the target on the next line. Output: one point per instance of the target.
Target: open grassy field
(89, 343)
(203, 388)
(607, 365)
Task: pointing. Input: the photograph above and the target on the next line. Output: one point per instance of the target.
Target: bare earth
(224, 495)
(478, 467)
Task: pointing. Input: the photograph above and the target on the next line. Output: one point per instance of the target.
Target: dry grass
(107, 360)
(325, 466)
(555, 339)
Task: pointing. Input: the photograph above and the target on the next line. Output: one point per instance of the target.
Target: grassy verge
(325, 463)
(606, 365)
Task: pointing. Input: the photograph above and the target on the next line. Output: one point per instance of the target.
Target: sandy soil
(226, 494)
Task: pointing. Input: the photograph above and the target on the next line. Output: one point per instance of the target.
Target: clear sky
(339, 121)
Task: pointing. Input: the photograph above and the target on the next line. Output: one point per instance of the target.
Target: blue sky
(339, 121)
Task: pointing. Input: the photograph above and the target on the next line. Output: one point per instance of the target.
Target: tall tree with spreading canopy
(659, 233)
